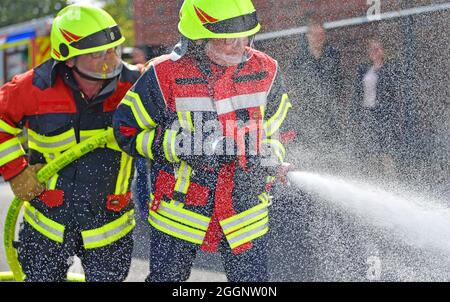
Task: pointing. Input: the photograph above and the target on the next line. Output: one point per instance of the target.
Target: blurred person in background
(140, 54)
(375, 113)
(316, 82)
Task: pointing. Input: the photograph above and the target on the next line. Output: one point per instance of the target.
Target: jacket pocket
(52, 198)
(196, 195)
(117, 203)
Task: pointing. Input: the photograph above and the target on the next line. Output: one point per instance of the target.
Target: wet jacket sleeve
(275, 127)
(141, 117)
(12, 154)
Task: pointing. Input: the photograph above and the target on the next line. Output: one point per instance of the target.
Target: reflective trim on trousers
(47, 227)
(109, 232)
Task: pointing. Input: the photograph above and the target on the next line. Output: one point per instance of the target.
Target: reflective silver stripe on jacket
(194, 104)
(145, 146)
(221, 106)
(138, 111)
(183, 176)
(52, 145)
(241, 102)
(11, 149)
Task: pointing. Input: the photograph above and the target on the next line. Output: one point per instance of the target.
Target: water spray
(421, 224)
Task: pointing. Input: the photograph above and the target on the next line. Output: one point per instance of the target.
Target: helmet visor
(228, 51)
(100, 65)
(234, 25)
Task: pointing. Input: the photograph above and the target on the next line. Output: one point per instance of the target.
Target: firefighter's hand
(207, 162)
(213, 156)
(25, 185)
(283, 170)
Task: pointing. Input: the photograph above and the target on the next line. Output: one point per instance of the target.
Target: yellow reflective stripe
(23, 137)
(270, 179)
(51, 183)
(248, 233)
(8, 144)
(183, 175)
(10, 150)
(169, 145)
(182, 120)
(86, 134)
(56, 143)
(242, 219)
(7, 128)
(176, 229)
(185, 119)
(264, 197)
(52, 139)
(42, 224)
(144, 142)
(110, 232)
(274, 123)
(189, 120)
(126, 164)
(133, 100)
(113, 145)
(179, 208)
(278, 148)
(183, 216)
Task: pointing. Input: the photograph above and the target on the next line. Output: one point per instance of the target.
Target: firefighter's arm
(274, 125)
(140, 118)
(12, 154)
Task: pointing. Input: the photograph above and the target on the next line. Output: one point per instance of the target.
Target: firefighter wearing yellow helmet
(208, 117)
(85, 209)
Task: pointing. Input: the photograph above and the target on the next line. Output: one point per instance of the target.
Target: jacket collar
(51, 69)
(47, 71)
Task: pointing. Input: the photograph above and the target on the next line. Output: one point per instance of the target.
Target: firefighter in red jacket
(84, 209)
(208, 117)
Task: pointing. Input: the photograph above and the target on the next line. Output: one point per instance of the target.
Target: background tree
(16, 11)
(122, 12)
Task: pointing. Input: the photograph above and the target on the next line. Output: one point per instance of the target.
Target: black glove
(212, 157)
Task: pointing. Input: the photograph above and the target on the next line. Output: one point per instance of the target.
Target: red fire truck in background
(23, 46)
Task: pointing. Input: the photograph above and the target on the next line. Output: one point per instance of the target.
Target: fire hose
(44, 175)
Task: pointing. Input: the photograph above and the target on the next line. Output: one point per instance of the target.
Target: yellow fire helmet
(204, 19)
(81, 29)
